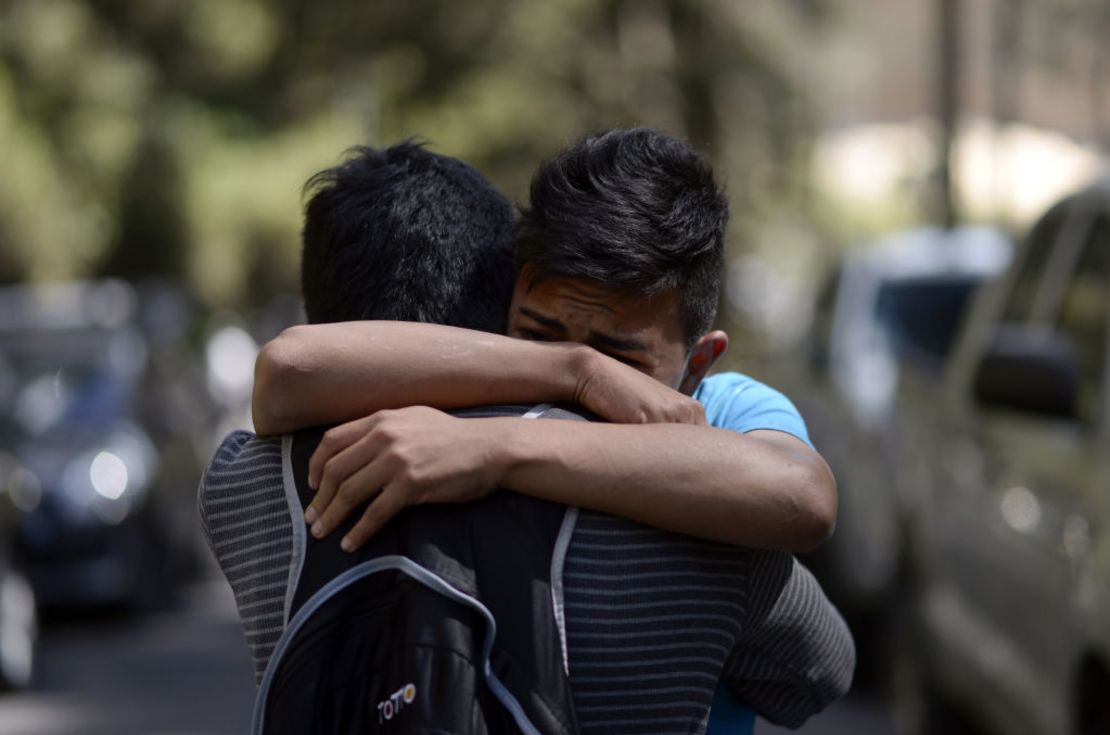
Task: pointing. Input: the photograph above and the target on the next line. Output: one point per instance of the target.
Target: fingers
(335, 441)
(360, 486)
(387, 505)
(338, 469)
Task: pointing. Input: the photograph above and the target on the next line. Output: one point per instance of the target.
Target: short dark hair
(406, 234)
(635, 209)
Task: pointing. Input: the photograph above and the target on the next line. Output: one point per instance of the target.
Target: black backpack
(444, 623)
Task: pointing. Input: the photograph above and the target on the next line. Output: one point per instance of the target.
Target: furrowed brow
(616, 343)
(544, 320)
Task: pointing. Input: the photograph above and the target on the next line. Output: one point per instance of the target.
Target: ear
(706, 351)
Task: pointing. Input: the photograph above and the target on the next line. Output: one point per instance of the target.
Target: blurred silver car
(1005, 457)
(900, 299)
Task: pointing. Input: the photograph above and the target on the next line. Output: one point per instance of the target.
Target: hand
(398, 458)
(625, 395)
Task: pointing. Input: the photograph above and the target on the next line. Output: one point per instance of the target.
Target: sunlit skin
(644, 332)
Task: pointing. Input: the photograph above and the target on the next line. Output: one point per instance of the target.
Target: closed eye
(535, 335)
(626, 360)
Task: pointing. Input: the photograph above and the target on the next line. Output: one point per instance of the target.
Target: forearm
(328, 373)
(709, 483)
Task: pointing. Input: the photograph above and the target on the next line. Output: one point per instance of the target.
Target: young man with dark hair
(593, 216)
(389, 234)
(440, 235)
(756, 482)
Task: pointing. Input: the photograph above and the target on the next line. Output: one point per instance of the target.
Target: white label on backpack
(388, 708)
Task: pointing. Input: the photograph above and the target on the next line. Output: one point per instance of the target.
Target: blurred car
(18, 607)
(897, 300)
(72, 369)
(1004, 453)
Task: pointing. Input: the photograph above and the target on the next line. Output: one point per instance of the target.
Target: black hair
(637, 210)
(406, 234)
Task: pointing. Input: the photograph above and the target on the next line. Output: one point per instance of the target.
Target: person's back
(655, 620)
(399, 233)
(434, 620)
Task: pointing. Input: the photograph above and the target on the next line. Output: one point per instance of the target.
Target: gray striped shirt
(654, 620)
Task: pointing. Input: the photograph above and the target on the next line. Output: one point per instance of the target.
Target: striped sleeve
(651, 617)
(796, 655)
(247, 522)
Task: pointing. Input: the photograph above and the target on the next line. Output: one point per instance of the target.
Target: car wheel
(18, 631)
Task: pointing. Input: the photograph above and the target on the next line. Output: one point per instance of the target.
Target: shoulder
(241, 458)
(240, 449)
(728, 388)
(741, 403)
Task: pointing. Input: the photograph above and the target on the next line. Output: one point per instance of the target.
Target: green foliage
(169, 138)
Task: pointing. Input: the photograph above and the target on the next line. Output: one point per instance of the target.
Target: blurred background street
(918, 255)
(182, 671)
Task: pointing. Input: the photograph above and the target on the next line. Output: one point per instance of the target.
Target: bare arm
(764, 489)
(328, 373)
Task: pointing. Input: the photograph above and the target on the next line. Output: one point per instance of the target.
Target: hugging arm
(327, 373)
(764, 489)
(795, 655)
(757, 489)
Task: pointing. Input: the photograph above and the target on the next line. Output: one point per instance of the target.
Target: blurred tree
(152, 234)
(172, 138)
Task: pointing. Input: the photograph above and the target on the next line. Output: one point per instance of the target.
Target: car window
(1035, 262)
(1082, 317)
(922, 316)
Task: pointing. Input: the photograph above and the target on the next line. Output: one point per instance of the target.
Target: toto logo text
(392, 706)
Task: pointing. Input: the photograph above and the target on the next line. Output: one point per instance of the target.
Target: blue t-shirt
(739, 403)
